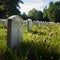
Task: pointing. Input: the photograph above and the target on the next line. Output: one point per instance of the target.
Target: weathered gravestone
(29, 25)
(14, 31)
(38, 23)
(41, 23)
(4, 21)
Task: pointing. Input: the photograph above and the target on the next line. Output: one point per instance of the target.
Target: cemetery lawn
(42, 43)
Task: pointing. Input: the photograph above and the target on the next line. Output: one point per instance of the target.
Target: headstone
(5, 23)
(38, 23)
(34, 21)
(14, 31)
(29, 25)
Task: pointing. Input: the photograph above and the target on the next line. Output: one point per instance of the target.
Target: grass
(37, 44)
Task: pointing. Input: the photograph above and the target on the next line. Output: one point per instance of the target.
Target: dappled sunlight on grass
(42, 43)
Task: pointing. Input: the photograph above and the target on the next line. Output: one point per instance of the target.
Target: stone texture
(14, 31)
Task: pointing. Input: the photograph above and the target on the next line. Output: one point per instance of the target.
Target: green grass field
(42, 43)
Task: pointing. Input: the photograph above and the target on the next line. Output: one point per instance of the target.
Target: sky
(37, 4)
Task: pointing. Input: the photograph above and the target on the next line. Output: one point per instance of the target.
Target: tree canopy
(53, 12)
(9, 7)
(24, 16)
(45, 16)
(35, 15)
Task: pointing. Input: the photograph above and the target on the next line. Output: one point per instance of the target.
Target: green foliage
(32, 14)
(9, 7)
(39, 16)
(35, 15)
(24, 16)
(45, 15)
(53, 12)
(34, 46)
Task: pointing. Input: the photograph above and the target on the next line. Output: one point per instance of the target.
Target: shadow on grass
(32, 51)
(39, 51)
(1, 27)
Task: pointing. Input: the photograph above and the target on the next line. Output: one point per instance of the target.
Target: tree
(57, 12)
(40, 16)
(24, 16)
(2, 8)
(32, 14)
(35, 15)
(45, 15)
(9, 7)
(54, 11)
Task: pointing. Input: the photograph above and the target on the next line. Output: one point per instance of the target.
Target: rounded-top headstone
(29, 25)
(14, 31)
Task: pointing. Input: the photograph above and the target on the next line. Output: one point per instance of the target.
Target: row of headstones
(15, 30)
(38, 23)
(4, 21)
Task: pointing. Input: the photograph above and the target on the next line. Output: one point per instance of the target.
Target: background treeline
(52, 13)
(11, 7)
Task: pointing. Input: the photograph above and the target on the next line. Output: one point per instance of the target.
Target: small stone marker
(38, 23)
(14, 31)
(29, 25)
(5, 23)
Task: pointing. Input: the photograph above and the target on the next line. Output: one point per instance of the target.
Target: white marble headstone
(14, 31)
(38, 23)
(29, 25)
